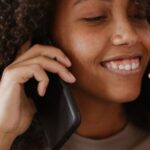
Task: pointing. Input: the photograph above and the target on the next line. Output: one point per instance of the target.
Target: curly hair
(19, 19)
(22, 19)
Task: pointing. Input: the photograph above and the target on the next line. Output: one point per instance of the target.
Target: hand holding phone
(57, 111)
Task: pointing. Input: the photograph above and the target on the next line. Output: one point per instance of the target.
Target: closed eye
(95, 19)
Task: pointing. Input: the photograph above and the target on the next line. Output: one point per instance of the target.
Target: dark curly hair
(22, 19)
(19, 20)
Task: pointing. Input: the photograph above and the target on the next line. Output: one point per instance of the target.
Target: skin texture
(99, 92)
(83, 44)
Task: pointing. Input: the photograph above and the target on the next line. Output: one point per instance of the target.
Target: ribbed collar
(126, 139)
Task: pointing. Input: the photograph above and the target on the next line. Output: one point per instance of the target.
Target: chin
(125, 95)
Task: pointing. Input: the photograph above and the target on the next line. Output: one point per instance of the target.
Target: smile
(123, 66)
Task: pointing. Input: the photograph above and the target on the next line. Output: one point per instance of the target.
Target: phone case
(57, 111)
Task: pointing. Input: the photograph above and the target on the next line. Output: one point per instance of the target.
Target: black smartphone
(57, 111)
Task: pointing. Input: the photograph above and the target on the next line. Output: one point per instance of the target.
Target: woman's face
(108, 42)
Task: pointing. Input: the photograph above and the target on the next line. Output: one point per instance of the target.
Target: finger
(51, 66)
(49, 51)
(41, 76)
(21, 74)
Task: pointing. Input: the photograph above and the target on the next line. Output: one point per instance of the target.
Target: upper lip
(123, 56)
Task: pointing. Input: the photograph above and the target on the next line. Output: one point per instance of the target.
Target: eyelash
(95, 19)
(102, 18)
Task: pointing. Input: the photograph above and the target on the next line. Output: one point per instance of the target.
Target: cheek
(145, 39)
(83, 50)
(147, 44)
(87, 45)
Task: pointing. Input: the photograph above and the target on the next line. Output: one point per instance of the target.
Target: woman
(105, 45)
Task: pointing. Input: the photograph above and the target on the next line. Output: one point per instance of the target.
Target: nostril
(128, 39)
(119, 40)
(124, 33)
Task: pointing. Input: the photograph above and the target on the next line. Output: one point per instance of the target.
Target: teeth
(128, 67)
(124, 65)
(134, 66)
(121, 67)
(114, 66)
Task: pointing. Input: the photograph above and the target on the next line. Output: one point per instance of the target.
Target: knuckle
(36, 68)
(8, 70)
(35, 60)
(41, 58)
(36, 47)
(38, 60)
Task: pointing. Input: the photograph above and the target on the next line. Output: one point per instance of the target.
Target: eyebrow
(80, 1)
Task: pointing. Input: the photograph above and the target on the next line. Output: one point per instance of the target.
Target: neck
(99, 118)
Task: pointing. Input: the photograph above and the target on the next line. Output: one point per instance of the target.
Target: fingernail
(71, 77)
(68, 61)
(149, 75)
(42, 92)
(64, 60)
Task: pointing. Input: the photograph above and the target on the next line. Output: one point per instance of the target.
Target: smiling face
(108, 42)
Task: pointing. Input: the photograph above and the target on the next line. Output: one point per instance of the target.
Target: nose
(124, 34)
